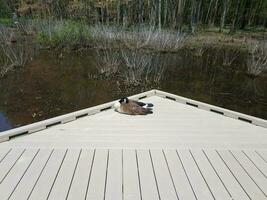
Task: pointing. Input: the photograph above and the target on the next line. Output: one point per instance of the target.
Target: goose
(131, 107)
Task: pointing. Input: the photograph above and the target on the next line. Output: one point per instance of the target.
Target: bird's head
(123, 100)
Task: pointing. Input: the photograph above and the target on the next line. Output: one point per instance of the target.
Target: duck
(132, 107)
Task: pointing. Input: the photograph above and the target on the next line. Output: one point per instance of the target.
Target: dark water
(54, 84)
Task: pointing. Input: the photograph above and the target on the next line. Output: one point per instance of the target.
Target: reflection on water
(55, 84)
(4, 123)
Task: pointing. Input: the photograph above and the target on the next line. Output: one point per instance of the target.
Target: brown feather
(132, 108)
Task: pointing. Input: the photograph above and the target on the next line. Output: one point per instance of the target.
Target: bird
(131, 107)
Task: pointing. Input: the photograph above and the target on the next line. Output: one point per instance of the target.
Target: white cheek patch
(117, 106)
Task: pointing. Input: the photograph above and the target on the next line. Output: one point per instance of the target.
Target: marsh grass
(5, 21)
(15, 52)
(138, 38)
(131, 67)
(229, 56)
(63, 34)
(108, 62)
(257, 61)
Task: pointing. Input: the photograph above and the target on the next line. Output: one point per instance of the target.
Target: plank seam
(261, 156)
(40, 174)
(12, 166)
(51, 188)
(166, 161)
(233, 174)
(186, 174)
(138, 173)
(202, 174)
(5, 155)
(153, 168)
(90, 174)
(24, 173)
(216, 173)
(122, 175)
(247, 173)
(254, 163)
(74, 173)
(106, 176)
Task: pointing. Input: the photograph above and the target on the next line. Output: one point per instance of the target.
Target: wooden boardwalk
(132, 174)
(181, 152)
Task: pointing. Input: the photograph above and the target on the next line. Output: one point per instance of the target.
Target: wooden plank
(251, 170)
(259, 163)
(27, 183)
(3, 153)
(131, 184)
(164, 178)
(82, 175)
(148, 182)
(8, 163)
(97, 182)
(43, 186)
(62, 183)
(180, 179)
(10, 183)
(114, 176)
(212, 179)
(198, 183)
(231, 183)
(249, 186)
(263, 155)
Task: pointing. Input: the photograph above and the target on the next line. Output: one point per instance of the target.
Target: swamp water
(54, 84)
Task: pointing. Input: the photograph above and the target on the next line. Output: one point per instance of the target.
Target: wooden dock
(185, 150)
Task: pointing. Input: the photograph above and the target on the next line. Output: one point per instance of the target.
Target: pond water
(54, 84)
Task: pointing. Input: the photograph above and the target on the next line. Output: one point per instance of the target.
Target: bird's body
(132, 107)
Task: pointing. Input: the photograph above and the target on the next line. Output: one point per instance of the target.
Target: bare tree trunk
(125, 15)
(180, 14)
(198, 11)
(159, 14)
(165, 13)
(225, 8)
(118, 12)
(234, 22)
(193, 17)
(208, 13)
(214, 14)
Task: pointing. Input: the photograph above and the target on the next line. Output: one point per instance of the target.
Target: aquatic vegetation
(164, 40)
(13, 53)
(138, 38)
(140, 68)
(229, 56)
(63, 34)
(199, 51)
(108, 62)
(5, 67)
(131, 67)
(257, 61)
(28, 27)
